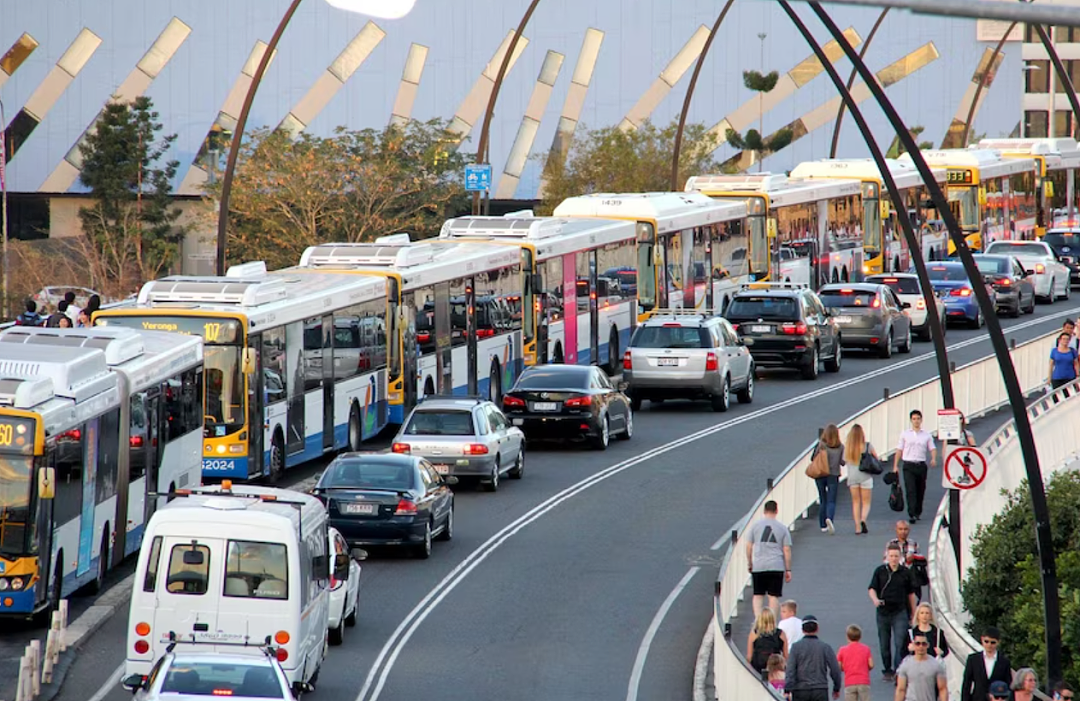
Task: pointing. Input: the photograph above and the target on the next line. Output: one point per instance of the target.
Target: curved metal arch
(851, 82)
(982, 83)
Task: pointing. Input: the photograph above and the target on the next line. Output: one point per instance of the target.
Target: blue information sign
(477, 178)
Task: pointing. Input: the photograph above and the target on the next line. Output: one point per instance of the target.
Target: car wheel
(350, 620)
(810, 370)
(448, 531)
(925, 335)
(518, 470)
(905, 347)
(833, 364)
(602, 441)
(492, 482)
(423, 551)
(337, 635)
(979, 321)
(746, 394)
(355, 434)
(721, 402)
(1031, 308)
(277, 459)
(1068, 291)
(635, 402)
(628, 432)
(885, 351)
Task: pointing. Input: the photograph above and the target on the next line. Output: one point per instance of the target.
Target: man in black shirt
(892, 590)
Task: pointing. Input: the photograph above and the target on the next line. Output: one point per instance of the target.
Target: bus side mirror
(248, 361)
(537, 282)
(46, 483)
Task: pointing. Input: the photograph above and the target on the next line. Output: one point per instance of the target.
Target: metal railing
(979, 389)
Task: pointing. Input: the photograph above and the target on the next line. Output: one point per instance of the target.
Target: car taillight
(509, 401)
(579, 401)
(627, 361)
(142, 647)
(136, 441)
(1040, 268)
(876, 303)
(960, 292)
(735, 327)
(475, 449)
(711, 362)
(485, 333)
(1004, 281)
(402, 448)
(790, 329)
(404, 508)
(423, 337)
(282, 637)
(920, 303)
(72, 435)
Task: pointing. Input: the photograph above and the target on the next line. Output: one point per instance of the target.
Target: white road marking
(701, 666)
(650, 634)
(109, 684)
(390, 651)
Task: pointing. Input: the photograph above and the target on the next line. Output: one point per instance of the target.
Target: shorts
(858, 692)
(771, 583)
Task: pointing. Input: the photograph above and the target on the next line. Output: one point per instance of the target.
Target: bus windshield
(964, 202)
(15, 472)
(759, 245)
(224, 390)
(872, 244)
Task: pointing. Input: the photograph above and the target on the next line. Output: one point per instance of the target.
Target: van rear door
(258, 599)
(189, 589)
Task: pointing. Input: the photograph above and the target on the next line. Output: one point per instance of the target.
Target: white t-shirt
(792, 628)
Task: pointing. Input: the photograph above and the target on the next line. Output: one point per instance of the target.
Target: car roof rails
(459, 397)
(654, 313)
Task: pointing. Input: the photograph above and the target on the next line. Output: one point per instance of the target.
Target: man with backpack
(30, 317)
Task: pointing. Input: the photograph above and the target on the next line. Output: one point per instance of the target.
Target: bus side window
(150, 580)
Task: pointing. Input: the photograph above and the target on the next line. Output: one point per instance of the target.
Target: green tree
(635, 160)
(1004, 588)
(289, 194)
(897, 148)
(753, 140)
(130, 233)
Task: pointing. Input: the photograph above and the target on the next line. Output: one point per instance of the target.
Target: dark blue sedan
(386, 499)
(951, 284)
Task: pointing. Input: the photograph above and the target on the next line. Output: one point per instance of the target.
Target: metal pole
(4, 206)
(481, 147)
(761, 119)
(979, 89)
(851, 82)
(1063, 78)
(936, 331)
(238, 135)
(690, 95)
(1044, 542)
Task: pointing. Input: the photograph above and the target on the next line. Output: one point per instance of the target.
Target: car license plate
(843, 319)
(442, 469)
(519, 422)
(667, 362)
(761, 329)
(357, 509)
(545, 406)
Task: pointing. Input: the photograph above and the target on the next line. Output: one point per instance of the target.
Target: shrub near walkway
(1004, 588)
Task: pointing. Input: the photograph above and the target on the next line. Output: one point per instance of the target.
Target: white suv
(906, 287)
(1050, 275)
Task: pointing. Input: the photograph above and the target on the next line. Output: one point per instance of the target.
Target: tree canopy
(753, 141)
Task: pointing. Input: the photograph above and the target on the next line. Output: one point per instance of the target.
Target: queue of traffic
(500, 332)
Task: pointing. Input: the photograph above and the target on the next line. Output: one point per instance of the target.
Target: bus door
(154, 448)
(594, 307)
(443, 348)
(570, 308)
(256, 417)
(328, 381)
(471, 352)
(43, 510)
(294, 370)
(822, 256)
(405, 327)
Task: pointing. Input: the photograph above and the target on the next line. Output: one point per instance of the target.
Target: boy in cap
(998, 690)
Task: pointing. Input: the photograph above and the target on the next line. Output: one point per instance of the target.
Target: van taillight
(281, 637)
(142, 629)
(282, 654)
(142, 647)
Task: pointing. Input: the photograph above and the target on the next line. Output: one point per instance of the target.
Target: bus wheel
(355, 436)
(103, 563)
(277, 459)
(557, 359)
(844, 276)
(45, 615)
(896, 266)
(835, 277)
(613, 352)
(495, 384)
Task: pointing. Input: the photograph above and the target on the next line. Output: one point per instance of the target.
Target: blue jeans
(892, 625)
(826, 489)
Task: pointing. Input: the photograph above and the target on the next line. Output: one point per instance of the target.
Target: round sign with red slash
(965, 468)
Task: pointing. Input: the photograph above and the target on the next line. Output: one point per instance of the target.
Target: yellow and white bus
(1057, 160)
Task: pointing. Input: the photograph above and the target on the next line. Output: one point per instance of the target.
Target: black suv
(786, 325)
(1066, 243)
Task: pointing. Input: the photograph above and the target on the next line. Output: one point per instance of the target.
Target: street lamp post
(387, 9)
(851, 82)
(3, 206)
(1044, 543)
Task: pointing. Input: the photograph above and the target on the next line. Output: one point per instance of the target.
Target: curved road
(592, 577)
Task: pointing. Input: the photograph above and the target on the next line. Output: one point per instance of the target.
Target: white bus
(227, 567)
(692, 252)
(1057, 161)
(296, 364)
(583, 284)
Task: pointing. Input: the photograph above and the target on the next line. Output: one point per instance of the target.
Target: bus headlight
(4, 584)
(17, 583)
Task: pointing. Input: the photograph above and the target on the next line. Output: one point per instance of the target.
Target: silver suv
(689, 355)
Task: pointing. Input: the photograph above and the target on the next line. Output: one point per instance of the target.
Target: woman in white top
(860, 483)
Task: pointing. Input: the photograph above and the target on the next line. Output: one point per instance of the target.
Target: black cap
(999, 690)
(809, 623)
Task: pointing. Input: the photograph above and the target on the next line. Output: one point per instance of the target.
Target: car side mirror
(450, 480)
(358, 554)
(623, 386)
(341, 566)
(1028, 272)
(320, 566)
(905, 305)
(133, 682)
(299, 688)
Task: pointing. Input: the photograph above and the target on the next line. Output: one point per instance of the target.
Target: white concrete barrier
(979, 389)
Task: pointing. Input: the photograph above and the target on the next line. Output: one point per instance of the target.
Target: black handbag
(869, 464)
(896, 497)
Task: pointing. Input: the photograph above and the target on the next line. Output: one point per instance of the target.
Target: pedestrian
(92, 305)
(860, 483)
(83, 319)
(1025, 683)
(30, 317)
(966, 437)
(892, 592)
(768, 557)
(827, 485)
(72, 310)
(908, 547)
(810, 666)
(923, 624)
(918, 453)
(999, 690)
(1064, 365)
(64, 322)
(920, 676)
(765, 640)
(856, 661)
(775, 672)
(1063, 692)
(983, 668)
(790, 622)
(1069, 327)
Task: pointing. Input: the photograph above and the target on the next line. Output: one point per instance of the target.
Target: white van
(234, 566)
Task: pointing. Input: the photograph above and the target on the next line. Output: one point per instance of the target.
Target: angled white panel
(671, 74)
(410, 83)
(530, 124)
(476, 101)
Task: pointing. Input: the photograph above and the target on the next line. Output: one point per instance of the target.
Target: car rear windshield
(847, 298)
(553, 378)
(1070, 240)
(222, 679)
(988, 264)
(368, 473)
(763, 308)
(899, 285)
(947, 272)
(671, 337)
(1016, 249)
(440, 423)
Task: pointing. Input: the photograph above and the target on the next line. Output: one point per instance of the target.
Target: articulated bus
(692, 252)
(817, 226)
(992, 197)
(1057, 161)
(465, 311)
(583, 284)
(94, 424)
(296, 364)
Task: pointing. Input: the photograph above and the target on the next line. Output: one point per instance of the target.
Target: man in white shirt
(790, 623)
(917, 452)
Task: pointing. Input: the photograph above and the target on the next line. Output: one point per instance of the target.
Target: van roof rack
(774, 286)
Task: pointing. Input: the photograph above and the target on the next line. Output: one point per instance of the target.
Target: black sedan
(569, 401)
(385, 499)
(1015, 291)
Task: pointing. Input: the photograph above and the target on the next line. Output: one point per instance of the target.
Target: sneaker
(829, 526)
(824, 530)
(889, 677)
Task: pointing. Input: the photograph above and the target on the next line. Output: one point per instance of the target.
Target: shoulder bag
(869, 464)
(819, 465)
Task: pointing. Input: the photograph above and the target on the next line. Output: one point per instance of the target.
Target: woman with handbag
(861, 455)
(923, 623)
(824, 467)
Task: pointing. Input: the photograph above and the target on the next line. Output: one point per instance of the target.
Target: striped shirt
(915, 446)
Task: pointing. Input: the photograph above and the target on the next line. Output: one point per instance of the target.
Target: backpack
(28, 319)
(764, 647)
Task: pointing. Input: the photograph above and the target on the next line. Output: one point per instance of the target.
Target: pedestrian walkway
(831, 573)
